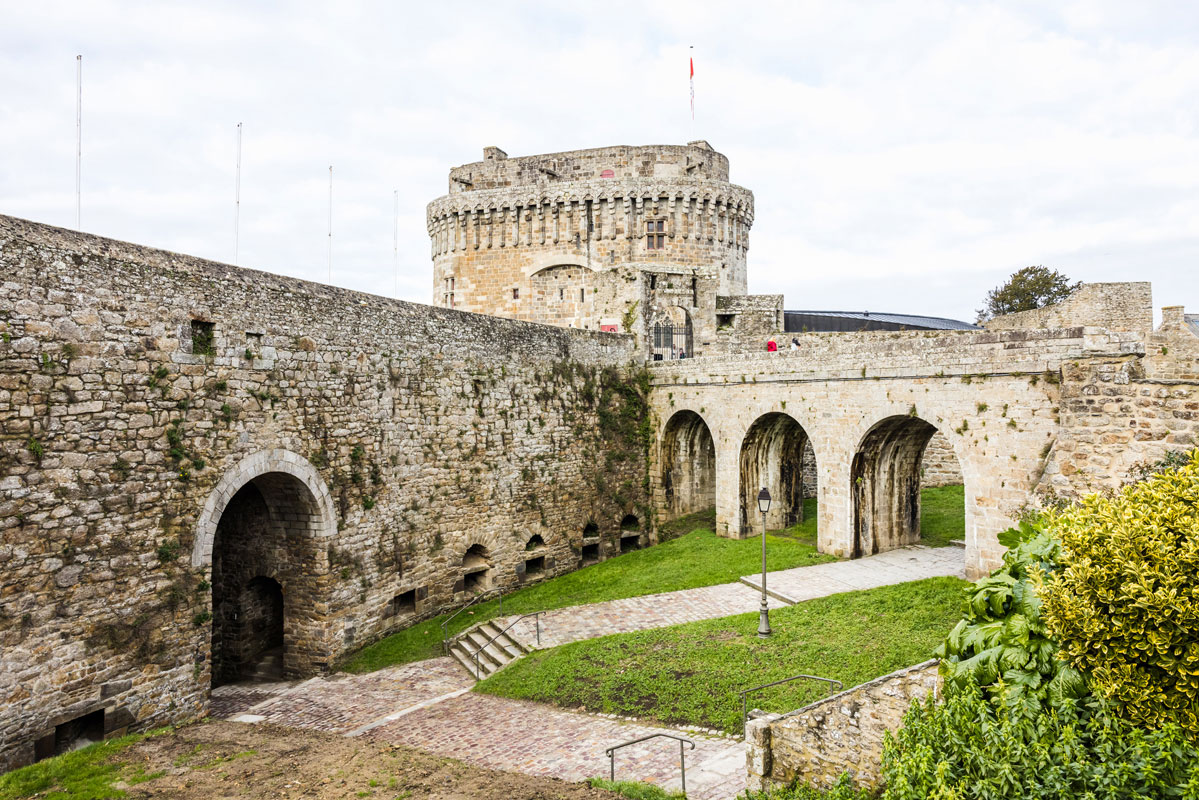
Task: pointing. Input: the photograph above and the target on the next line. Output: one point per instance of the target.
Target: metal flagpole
(78, 138)
(237, 201)
(330, 223)
(395, 241)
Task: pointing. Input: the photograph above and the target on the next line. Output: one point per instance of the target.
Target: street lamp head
(764, 500)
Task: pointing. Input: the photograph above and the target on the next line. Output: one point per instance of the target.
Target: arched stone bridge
(867, 404)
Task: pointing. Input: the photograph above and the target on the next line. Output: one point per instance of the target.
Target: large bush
(966, 749)
(1125, 605)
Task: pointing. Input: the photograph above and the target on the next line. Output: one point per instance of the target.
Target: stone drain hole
(476, 569)
(535, 557)
(590, 553)
(71, 735)
(402, 604)
(630, 533)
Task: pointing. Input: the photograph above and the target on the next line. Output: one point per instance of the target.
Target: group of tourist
(772, 345)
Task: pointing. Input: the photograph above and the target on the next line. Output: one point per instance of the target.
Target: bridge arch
(688, 465)
(886, 479)
(773, 457)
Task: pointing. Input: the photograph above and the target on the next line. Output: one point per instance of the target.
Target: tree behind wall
(1026, 289)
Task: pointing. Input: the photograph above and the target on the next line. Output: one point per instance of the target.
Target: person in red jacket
(771, 347)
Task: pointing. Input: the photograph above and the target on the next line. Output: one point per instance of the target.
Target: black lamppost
(764, 616)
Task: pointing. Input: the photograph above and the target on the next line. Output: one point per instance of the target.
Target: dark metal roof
(846, 320)
(1192, 322)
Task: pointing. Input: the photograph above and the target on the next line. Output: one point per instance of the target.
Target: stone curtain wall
(842, 733)
(1114, 306)
(1115, 416)
(385, 437)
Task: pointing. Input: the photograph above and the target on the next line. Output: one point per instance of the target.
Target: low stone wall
(842, 733)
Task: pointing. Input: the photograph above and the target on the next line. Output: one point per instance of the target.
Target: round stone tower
(615, 238)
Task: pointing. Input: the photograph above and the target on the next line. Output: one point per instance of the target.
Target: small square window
(655, 238)
(516, 294)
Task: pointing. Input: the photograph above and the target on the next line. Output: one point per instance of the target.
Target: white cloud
(916, 152)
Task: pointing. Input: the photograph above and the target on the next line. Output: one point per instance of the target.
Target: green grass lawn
(942, 515)
(692, 556)
(697, 558)
(689, 674)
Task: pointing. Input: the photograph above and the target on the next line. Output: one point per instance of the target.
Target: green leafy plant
(966, 748)
(1001, 644)
(168, 551)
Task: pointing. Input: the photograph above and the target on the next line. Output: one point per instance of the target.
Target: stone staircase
(268, 667)
(493, 657)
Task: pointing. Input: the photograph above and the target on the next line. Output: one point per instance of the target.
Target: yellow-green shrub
(1126, 607)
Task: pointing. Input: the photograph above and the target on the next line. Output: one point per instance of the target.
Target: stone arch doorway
(672, 335)
(886, 482)
(772, 457)
(261, 533)
(688, 466)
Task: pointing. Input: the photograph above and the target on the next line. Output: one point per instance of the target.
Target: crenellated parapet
(604, 209)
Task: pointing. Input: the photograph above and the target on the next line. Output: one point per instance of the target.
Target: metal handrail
(745, 692)
(445, 626)
(536, 615)
(611, 754)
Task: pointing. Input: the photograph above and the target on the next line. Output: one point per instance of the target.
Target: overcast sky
(904, 156)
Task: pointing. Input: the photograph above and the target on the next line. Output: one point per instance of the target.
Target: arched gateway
(261, 532)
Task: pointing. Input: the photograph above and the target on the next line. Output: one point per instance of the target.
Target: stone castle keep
(204, 468)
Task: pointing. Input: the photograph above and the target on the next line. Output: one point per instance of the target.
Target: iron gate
(672, 342)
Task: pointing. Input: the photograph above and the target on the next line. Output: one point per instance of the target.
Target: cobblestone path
(342, 703)
(538, 739)
(575, 623)
(427, 705)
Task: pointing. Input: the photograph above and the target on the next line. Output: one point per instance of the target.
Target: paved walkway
(574, 623)
(904, 564)
(428, 705)
(538, 739)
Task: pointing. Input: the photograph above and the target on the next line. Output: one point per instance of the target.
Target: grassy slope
(698, 558)
(86, 774)
(695, 558)
(690, 673)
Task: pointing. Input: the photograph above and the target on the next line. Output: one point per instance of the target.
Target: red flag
(692, 61)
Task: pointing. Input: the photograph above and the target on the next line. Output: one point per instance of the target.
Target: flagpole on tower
(237, 201)
(78, 137)
(395, 241)
(330, 224)
(691, 60)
